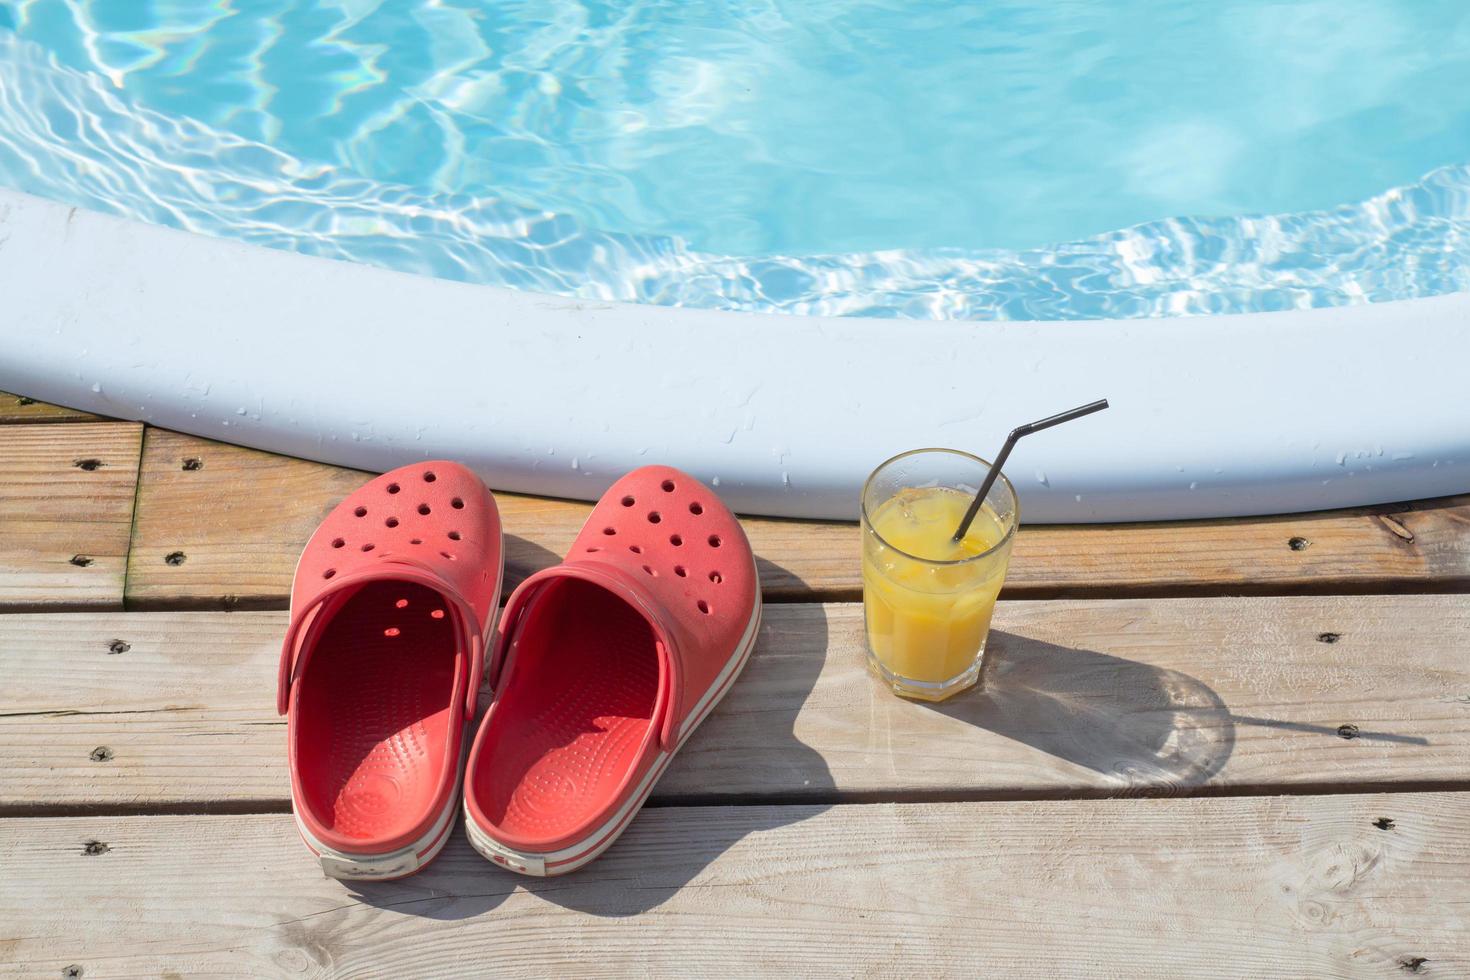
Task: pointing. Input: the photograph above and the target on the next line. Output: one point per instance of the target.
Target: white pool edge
(359, 366)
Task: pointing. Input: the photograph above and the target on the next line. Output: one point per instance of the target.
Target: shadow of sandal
(746, 755)
(662, 852)
(522, 558)
(746, 751)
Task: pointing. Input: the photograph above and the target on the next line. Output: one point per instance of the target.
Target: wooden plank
(219, 525)
(1253, 887)
(1419, 546)
(1084, 698)
(66, 511)
(22, 408)
(234, 524)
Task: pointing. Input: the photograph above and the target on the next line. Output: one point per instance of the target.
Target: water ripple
(70, 136)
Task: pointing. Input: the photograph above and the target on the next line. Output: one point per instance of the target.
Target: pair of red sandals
(601, 668)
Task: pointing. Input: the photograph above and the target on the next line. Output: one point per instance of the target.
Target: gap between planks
(246, 808)
(66, 513)
(1083, 699)
(22, 409)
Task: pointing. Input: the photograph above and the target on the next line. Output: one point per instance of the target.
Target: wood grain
(1084, 698)
(66, 510)
(241, 517)
(1254, 887)
(20, 408)
(218, 525)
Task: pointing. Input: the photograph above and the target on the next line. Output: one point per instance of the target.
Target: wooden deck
(1222, 748)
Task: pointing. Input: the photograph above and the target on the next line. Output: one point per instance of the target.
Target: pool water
(1025, 159)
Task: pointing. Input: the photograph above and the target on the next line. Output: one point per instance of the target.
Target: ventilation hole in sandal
(437, 614)
(593, 551)
(429, 477)
(635, 549)
(714, 541)
(446, 555)
(649, 570)
(629, 501)
(367, 547)
(716, 577)
(702, 606)
(338, 542)
(676, 540)
(681, 571)
(401, 604)
(453, 535)
(329, 573)
(696, 509)
(394, 488)
(668, 486)
(360, 512)
(609, 531)
(415, 540)
(391, 631)
(391, 522)
(424, 510)
(457, 503)
(654, 517)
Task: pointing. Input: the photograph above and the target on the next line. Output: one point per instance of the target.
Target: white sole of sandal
(381, 867)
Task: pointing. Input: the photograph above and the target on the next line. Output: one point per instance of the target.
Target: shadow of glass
(1348, 732)
(749, 741)
(1151, 728)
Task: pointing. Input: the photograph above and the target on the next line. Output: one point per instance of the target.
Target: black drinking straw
(1000, 458)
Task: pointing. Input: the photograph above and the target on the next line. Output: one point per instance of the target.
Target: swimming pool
(1021, 160)
(1245, 223)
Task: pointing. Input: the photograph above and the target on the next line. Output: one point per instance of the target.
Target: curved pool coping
(360, 366)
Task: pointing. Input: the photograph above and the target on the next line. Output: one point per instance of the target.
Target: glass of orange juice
(928, 599)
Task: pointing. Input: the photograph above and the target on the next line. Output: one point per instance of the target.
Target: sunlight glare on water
(1026, 159)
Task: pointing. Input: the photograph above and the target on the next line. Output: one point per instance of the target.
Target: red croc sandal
(390, 610)
(606, 664)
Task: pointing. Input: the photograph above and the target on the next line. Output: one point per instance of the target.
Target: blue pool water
(1024, 159)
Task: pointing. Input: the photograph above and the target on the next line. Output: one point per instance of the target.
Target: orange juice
(929, 598)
